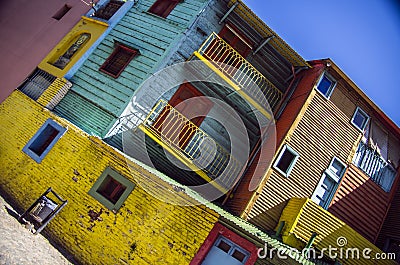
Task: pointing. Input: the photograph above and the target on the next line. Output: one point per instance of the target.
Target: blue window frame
(329, 182)
(326, 85)
(43, 140)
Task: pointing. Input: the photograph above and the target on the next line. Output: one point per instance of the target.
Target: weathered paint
(252, 19)
(153, 36)
(303, 217)
(112, 22)
(145, 230)
(86, 25)
(54, 93)
(220, 230)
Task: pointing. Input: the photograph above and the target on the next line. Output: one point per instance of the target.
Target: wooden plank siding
(153, 36)
(360, 203)
(242, 195)
(324, 131)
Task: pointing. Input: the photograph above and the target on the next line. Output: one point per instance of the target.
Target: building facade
(145, 107)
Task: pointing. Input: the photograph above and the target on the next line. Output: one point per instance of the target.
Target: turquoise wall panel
(154, 37)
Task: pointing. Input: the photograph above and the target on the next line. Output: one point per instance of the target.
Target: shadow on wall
(269, 220)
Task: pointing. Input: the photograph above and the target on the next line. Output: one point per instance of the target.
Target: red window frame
(119, 59)
(117, 189)
(220, 230)
(163, 8)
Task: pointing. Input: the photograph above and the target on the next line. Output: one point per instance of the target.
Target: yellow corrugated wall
(302, 217)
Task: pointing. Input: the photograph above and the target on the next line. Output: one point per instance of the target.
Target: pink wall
(28, 33)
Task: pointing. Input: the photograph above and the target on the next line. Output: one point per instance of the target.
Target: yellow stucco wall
(163, 233)
(85, 25)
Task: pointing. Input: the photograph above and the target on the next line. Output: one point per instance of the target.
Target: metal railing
(183, 136)
(37, 83)
(239, 70)
(374, 165)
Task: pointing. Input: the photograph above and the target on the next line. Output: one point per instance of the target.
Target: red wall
(218, 230)
(360, 203)
(28, 33)
(308, 77)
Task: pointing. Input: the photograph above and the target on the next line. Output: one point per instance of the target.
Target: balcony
(306, 222)
(191, 145)
(374, 165)
(240, 74)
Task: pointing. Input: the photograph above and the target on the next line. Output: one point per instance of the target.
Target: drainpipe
(310, 242)
(280, 228)
(288, 92)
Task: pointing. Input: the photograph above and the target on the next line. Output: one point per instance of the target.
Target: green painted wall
(96, 99)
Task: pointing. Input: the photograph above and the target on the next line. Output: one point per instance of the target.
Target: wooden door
(219, 52)
(177, 129)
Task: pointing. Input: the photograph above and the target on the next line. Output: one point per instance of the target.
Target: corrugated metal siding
(391, 226)
(296, 102)
(303, 217)
(83, 113)
(361, 203)
(323, 132)
(153, 36)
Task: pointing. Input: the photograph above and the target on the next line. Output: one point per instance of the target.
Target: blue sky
(361, 37)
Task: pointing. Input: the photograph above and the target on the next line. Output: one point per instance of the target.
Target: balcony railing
(373, 164)
(247, 78)
(192, 144)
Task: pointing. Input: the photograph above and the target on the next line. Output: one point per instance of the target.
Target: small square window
(107, 11)
(224, 246)
(326, 85)
(232, 252)
(337, 167)
(44, 139)
(118, 60)
(163, 8)
(360, 119)
(62, 12)
(286, 160)
(111, 189)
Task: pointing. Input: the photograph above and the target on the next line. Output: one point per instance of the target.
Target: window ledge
(154, 15)
(96, 20)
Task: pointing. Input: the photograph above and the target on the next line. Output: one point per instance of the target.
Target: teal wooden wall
(96, 100)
